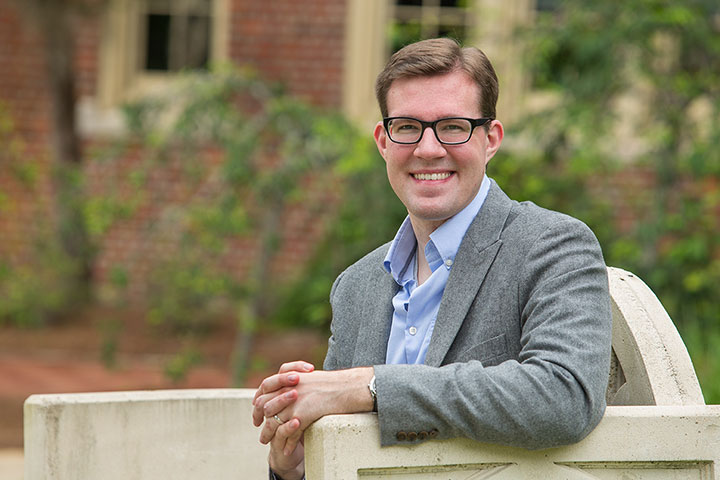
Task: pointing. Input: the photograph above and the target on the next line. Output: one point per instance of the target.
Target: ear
(494, 139)
(380, 138)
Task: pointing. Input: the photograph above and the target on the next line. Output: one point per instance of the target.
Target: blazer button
(422, 435)
(412, 436)
(401, 436)
(433, 433)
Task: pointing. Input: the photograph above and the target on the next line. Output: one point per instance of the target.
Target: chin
(433, 216)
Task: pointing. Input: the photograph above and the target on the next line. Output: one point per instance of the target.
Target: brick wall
(25, 150)
(299, 44)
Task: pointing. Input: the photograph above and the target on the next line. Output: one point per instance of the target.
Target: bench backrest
(650, 364)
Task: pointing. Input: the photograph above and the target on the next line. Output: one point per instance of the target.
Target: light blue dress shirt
(415, 307)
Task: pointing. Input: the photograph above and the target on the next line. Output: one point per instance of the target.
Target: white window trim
(365, 55)
(118, 78)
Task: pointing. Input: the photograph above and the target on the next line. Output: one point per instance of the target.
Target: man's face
(436, 181)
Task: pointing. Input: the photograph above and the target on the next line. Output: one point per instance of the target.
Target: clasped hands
(297, 396)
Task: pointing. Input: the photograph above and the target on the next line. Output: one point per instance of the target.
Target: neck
(423, 229)
(423, 267)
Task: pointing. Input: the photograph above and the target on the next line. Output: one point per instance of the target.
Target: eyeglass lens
(450, 130)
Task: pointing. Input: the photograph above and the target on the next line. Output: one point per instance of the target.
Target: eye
(404, 126)
(454, 126)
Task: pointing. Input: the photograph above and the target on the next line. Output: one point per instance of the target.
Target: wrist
(275, 476)
(363, 400)
(373, 392)
(286, 468)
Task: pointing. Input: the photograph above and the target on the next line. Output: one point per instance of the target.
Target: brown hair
(435, 57)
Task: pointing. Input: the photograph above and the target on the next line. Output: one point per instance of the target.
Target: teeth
(431, 176)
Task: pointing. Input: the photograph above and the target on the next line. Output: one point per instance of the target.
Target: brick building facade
(297, 43)
(325, 51)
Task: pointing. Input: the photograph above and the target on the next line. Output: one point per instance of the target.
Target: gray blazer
(520, 352)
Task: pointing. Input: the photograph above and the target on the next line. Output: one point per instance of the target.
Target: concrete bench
(650, 364)
(148, 435)
(657, 427)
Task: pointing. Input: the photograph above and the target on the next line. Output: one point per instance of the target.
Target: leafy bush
(246, 152)
(34, 284)
(665, 59)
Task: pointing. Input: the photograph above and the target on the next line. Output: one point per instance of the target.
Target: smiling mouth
(431, 176)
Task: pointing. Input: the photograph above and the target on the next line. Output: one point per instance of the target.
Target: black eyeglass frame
(474, 123)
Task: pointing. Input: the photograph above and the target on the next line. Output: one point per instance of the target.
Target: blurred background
(182, 180)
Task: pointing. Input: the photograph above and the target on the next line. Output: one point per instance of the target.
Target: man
(484, 318)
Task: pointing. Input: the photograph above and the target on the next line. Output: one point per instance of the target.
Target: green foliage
(110, 329)
(189, 294)
(245, 151)
(33, 291)
(597, 56)
(177, 368)
(101, 213)
(369, 216)
(14, 159)
(402, 34)
(34, 284)
(703, 346)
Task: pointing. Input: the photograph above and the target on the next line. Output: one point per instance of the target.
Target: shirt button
(448, 262)
(412, 330)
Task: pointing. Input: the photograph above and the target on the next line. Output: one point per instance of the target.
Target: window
(145, 43)
(377, 28)
(546, 5)
(414, 20)
(176, 35)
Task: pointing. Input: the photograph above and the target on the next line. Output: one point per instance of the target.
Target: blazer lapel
(472, 262)
(377, 314)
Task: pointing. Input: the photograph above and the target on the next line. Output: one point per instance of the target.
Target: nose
(428, 147)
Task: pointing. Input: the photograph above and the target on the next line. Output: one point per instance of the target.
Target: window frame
(120, 76)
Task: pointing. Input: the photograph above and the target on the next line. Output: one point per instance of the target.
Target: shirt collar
(443, 245)
(400, 259)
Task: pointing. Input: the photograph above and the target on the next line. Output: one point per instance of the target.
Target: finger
(277, 457)
(279, 403)
(258, 413)
(257, 416)
(268, 431)
(282, 433)
(293, 438)
(272, 425)
(264, 387)
(298, 366)
(276, 434)
(275, 382)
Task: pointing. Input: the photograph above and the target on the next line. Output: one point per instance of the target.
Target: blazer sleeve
(553, 393)
(331, 358)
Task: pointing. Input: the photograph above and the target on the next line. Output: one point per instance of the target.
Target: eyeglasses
(448, 131)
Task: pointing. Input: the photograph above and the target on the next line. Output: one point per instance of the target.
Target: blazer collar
(472, 262)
